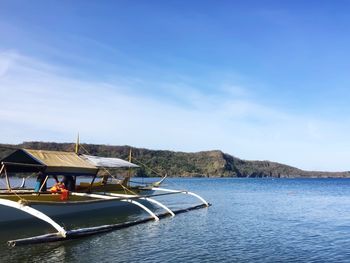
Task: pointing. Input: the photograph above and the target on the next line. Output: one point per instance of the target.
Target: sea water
(250, 220)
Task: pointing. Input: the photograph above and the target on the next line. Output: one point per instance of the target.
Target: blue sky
(264, 80)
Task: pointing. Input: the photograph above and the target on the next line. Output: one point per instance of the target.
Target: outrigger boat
(48, 205)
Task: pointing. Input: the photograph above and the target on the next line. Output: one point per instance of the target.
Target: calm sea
(251, 220)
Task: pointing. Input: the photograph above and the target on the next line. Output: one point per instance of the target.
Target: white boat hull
(9, 214)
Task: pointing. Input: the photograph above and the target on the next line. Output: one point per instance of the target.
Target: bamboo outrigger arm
(35, 213)
(151, 200)
(142, 206)
(157, 184)
(100, 196)
(179, 191)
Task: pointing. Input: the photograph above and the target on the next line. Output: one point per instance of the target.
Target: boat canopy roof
(107, 162)
(59, 162)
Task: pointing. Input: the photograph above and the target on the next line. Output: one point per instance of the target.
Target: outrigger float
(46, 205)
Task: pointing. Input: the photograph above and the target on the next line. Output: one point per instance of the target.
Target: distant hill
(181, 164)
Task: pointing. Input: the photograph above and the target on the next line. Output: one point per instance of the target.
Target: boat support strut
(180, 192)
(101, 196)
(35, 213)
(151, 200)
(79, 233)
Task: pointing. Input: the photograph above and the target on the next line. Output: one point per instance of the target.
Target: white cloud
(39, 102)
(4, 65)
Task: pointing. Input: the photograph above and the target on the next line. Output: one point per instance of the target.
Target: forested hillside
(180, 164)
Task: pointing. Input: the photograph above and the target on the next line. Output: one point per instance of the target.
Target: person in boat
(40, 184)
(56, 179)
(69, 182)
(57, 187)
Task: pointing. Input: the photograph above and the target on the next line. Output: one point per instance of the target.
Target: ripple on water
(251, 220)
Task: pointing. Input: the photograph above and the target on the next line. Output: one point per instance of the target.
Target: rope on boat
(106, 170)
(20, 199)
(146, 166)
(126, 189)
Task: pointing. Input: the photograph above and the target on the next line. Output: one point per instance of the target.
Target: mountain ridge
(214, 163)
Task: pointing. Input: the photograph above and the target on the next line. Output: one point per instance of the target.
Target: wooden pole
(2, 168)
(42, 185)
(127, 179)
(130, 153)
(7, 180)
(77, 145)
(92, 183)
